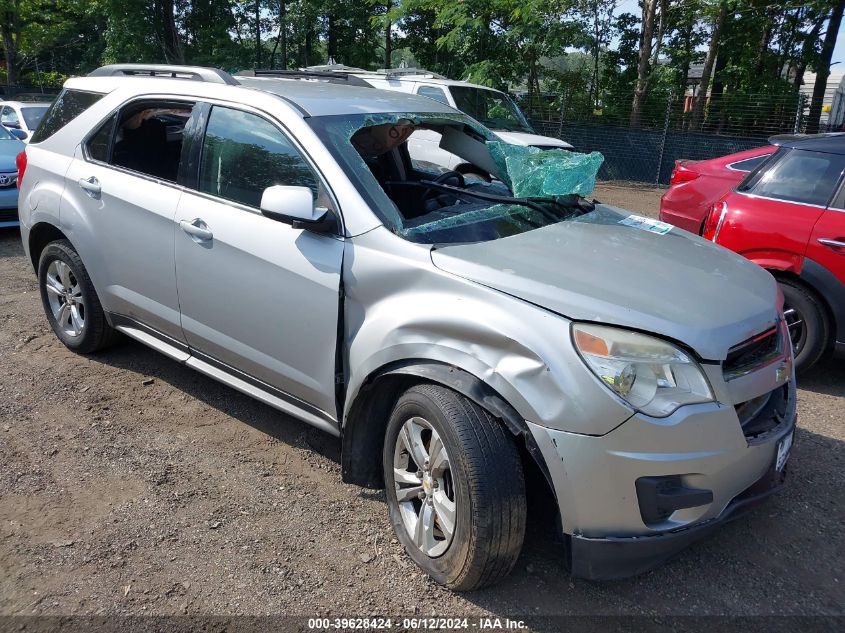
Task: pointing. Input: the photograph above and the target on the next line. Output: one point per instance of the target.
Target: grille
(761, 415)
(8, 215)
(752, 354)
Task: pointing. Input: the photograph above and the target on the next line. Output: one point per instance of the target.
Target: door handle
(91, 186)
(196, 228)
(834, 244)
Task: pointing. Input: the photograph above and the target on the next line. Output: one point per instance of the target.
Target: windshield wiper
(492, 197)
(572, 202)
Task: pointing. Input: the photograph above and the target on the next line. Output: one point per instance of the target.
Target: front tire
(455, 488)
(70, 302)
(806, 319)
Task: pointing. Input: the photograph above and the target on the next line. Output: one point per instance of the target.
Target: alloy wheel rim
(796, 327)
(64, 294)
(424, 487)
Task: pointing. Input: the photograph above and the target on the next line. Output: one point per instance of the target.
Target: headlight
(649, 374)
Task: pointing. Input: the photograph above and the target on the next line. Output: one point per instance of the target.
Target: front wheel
(455, 488)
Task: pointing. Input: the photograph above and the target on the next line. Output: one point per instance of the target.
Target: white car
(22, 115)
(494, 108)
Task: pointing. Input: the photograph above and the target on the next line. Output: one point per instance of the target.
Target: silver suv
(465, 344)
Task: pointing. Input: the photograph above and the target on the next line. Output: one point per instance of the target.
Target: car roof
(321, 98)
(831, 142)
(423, 78)
(311, 97)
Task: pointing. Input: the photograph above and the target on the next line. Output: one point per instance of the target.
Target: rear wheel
(806, 319)
(70, 301)
(455, 488)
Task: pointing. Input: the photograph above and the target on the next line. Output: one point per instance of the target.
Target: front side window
(67, 106)
(800, 176)
(243, 154)
(432, 92)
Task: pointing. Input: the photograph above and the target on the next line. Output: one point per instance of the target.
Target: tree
(823, 68)
(709, 62)
(647, 33)
(599, 21)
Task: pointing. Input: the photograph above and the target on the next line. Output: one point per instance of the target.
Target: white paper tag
(646, 224)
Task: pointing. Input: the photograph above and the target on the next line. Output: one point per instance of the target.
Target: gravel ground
(132, 485)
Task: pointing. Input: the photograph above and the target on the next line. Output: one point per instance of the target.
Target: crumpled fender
(403, 308)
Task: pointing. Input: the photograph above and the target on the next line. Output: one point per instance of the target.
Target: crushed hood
(524, 138)
(595, 269)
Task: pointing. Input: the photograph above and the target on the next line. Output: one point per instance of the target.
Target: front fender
(399, 306)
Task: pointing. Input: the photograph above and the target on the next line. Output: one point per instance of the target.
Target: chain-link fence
(668, 127)
(27, 93)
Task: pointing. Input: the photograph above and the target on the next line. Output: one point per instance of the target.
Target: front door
(257, 295)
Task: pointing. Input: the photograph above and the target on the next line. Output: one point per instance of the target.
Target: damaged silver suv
(458, 333)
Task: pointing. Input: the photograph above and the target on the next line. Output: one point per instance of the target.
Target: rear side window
(433, 93)
(67, 106)
(798, 176)
(148, 138)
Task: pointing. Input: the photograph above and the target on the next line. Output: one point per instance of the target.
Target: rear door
(120, 198)
(257, 295)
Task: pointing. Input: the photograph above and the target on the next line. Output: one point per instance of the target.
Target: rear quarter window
(749, 164)
(67, 106)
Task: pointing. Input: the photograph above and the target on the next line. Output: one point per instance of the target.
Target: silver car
(463, 343)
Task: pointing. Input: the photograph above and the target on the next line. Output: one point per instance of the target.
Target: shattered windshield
(494, 109)
(490, 189)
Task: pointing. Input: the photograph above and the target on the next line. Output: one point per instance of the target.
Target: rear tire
(70, 302)
(809, 326)
(475, 503)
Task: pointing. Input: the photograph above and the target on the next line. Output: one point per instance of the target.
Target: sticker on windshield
(646, 224)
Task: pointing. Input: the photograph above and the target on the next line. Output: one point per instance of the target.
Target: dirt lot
(132, 485)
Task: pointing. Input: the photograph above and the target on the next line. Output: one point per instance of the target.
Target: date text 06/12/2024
(433, 623)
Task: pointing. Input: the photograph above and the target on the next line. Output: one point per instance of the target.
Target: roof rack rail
(327, 76)
(398, 72)
(194, 73)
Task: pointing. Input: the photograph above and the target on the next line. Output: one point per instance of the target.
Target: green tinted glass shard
(531, 172)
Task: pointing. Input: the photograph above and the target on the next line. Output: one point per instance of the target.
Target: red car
(788, 216)
(696, 185)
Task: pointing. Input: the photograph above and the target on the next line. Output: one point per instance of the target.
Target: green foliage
(575, 56)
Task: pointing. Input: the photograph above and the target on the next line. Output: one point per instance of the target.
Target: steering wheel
(442, 179)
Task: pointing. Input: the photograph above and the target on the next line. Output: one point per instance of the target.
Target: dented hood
(594, 268)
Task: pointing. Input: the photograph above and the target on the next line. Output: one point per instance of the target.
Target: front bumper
(8, 206)
(608, 558)
(700, 449)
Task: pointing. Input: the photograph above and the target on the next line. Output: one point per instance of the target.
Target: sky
(632, 6)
